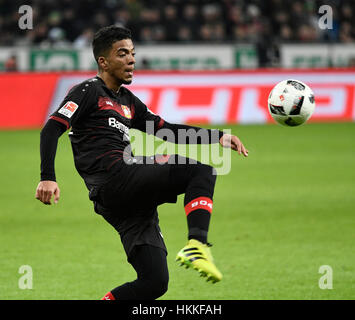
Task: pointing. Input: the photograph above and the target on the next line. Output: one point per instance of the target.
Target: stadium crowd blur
(58, 23)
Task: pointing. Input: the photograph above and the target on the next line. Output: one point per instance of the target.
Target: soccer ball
(291, 102)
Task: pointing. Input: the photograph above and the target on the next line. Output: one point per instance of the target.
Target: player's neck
(110, 82)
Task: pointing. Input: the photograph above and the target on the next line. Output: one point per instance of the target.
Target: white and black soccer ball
(291, 102)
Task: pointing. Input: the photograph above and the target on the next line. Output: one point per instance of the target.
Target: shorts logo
(68, 109)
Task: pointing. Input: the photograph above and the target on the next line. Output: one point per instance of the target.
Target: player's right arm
(74, 106)
(48, 187)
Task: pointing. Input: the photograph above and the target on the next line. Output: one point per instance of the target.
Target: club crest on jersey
(126, 111)
(68, 109)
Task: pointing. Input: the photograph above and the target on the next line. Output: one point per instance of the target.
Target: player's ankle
(202, 239)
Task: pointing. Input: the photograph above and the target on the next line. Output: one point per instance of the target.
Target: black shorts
(130, 199)
(141, 227)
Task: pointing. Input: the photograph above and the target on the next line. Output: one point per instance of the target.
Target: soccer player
(126, 189)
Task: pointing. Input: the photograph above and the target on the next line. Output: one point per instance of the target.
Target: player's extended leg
(198, 202)
(152, 275)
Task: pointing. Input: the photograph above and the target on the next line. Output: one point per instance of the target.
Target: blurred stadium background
(256, 42)
(198, 61)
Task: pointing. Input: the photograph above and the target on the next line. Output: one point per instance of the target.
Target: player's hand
(45, 190)
(233, 142)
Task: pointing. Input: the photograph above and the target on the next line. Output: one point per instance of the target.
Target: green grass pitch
(279, 215)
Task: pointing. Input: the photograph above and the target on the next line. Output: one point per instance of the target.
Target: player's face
(120, 61)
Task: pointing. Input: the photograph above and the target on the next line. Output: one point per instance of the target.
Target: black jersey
(100, 120)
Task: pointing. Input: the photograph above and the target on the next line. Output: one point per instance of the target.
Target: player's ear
(102, 62)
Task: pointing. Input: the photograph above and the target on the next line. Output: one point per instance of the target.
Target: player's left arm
(212, 136)
(197, 135)
(233, 142)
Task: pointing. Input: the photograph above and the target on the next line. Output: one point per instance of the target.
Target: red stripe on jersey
(65, 122)
(160, 124)
(199, 203)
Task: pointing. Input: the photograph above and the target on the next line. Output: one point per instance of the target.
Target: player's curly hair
(106, 36)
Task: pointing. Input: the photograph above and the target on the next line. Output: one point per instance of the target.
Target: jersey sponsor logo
(68, 109)
(106, 103)
(112, 122)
